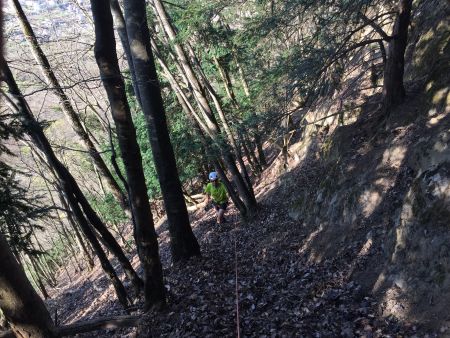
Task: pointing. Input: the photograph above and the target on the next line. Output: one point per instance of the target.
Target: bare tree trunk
(259, 147)
(65, 233)
(121, 29)
(39, 274)
(393, 87)
(241, 75)
(145, 235)
(66, 105)
(183, 243)
(19, 302)
(225, 76)
(104, 262)
(81, 243)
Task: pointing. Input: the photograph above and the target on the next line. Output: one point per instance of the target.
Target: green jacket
(218, 193)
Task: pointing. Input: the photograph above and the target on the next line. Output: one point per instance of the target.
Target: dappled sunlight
(139, 50)
(328, 124)
(369, 200)
(393, 156)
(306, 246)
(441, 96)
(395, 302)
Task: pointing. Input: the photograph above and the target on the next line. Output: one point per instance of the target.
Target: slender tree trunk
(183, 243)
(259, 147)
(145, 235)
(225, 76)
(66, 106)
(199, 95)
(65, 233)
(19, 302)
(254, 164)
(121, 29)
(39, 274)
(104, 262)
(36, 279)
(68, 184)
(81, 243)
(107, 237)
(241, 75)
(393, 87)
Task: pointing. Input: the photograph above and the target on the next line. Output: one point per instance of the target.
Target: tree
(20, 303)
(199, 86)
(183, 242)
(121, 29)
(81, 209)
(393, 87)
(65, 103)
(145, 235)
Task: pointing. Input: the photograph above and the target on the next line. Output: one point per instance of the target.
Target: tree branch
(108, 323)
(376, 27)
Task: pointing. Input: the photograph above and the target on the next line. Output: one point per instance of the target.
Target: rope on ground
(238, 328)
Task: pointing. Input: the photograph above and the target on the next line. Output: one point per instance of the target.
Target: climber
(215, 190)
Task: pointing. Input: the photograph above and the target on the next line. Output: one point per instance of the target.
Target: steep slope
(386, 193)
(352, 239)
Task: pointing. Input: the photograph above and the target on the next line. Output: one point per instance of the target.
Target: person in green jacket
(217, 192)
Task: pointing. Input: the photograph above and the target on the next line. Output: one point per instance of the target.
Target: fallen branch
(107, 323)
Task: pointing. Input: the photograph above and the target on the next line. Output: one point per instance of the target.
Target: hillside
(349, 241)
(349, 234)
(315, 260)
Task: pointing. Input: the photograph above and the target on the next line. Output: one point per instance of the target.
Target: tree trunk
(80, 241)
(241, 74)
(145, 235)
(38, 277)
(66, 180)
(121, 29)
(259, 147)
(393, 87)
(19, 302)
(183, 242)
(225, 76)
(104, 262)
(66, 106)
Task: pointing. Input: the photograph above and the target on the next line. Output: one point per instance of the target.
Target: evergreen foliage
(19, 212)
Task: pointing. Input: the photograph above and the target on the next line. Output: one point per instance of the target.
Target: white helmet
(213, 176)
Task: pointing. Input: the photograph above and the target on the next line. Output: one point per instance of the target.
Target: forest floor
(282, 293)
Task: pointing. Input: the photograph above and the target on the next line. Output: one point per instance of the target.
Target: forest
(224, 168)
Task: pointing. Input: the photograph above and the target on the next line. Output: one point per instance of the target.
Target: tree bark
(183, 243)
(225, 76)
(81, 243)
(393, 87)
(19, 302)
(121, 29)
(66, 106)
(145, 235)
